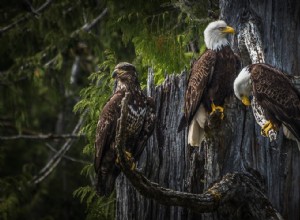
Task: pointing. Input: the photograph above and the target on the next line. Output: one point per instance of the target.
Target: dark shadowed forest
(56, 60)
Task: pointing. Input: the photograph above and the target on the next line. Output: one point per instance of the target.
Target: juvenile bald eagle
(210, 81)
(139, 126)
(269, 89)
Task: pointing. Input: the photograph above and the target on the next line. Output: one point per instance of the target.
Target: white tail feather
(288, 134)
(196, 128)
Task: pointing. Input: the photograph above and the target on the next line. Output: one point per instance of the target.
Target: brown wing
(200, 75)
(148, 127)
(276, 94)
(106, 127)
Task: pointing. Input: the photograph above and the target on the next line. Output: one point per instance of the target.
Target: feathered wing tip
(182, 124)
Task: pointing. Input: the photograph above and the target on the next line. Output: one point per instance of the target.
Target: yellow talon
(128, 156)
(246, 100)
(266, 128)
(133, 166)
(219, 108)
(215, 194)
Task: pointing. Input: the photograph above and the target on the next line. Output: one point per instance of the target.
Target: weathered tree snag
(277, 24)
(203, 166)
(235, 147)
(236, 196)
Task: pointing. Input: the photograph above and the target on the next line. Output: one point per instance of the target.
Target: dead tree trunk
(235, 196)
(277, 22)
(271, 29)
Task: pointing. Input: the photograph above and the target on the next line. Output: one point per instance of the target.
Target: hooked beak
(114, 74)
(246, 100)
(228, 30)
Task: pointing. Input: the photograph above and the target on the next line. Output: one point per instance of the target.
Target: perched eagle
(269, 89)
(210, 81)
(139, 126)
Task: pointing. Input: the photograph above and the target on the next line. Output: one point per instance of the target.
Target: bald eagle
(210, 81)
(139, 126)
(274, 99)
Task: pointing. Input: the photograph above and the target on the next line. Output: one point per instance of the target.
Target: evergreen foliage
(92, 101)
(49, 52)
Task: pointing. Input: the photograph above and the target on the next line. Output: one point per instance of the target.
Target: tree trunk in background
(235, 147)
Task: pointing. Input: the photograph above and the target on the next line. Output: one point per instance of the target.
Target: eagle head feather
(242, 86)
(124, 75)
(215, 34)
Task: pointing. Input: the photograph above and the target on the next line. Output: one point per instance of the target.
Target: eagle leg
(217, 108)
(266, 128)
(129, 158)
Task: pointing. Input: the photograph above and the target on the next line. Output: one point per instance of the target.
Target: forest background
(55, 63)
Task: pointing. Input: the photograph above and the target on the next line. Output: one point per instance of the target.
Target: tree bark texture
(164, 160)
(278, 22)
(235, 196)
(235, 147)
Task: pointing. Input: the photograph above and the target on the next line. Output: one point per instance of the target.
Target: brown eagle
(139, 126)
(210, 81)
(274, 99)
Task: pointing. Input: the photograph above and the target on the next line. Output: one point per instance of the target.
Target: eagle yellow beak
(228, 30)
(246, 100)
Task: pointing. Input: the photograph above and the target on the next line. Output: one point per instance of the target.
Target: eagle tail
(298, 143)
(196, 134)
(182, 124)
(105, 182)
(292, 131)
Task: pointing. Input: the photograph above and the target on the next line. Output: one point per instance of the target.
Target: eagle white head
(215, 35)
(242, 86)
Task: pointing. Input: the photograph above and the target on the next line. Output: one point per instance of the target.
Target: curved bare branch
(237, 188)
(41, 136)
(25, 17)
(54, 161)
